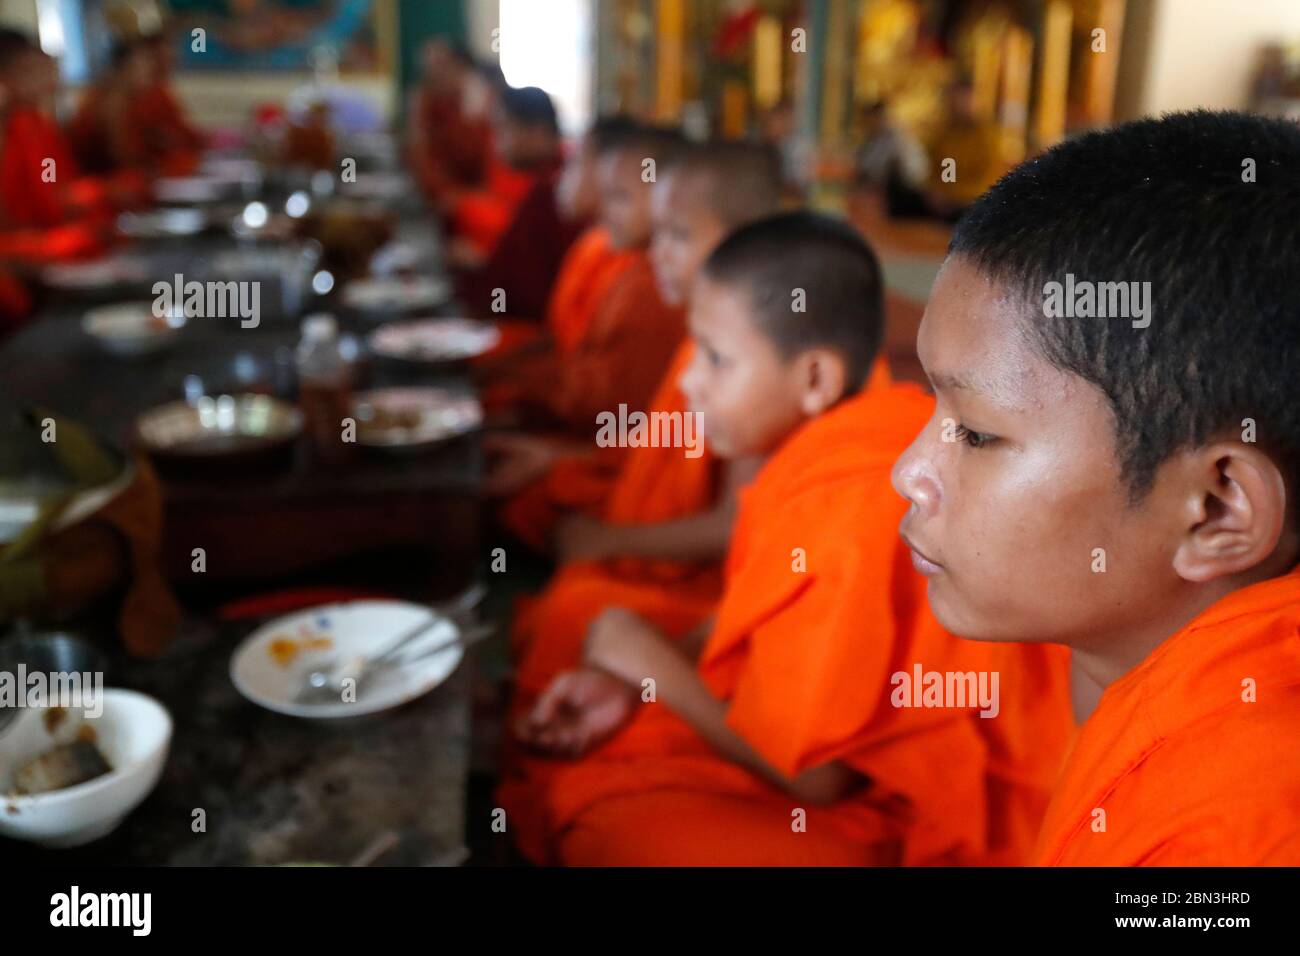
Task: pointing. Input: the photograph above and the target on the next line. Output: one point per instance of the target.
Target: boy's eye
(972, 438)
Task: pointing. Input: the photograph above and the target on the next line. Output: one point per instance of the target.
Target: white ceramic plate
(358, 629)
(162, 223)
(434, 340)
(398, 292)
(131, 328)
(190, 189)
(97, 273)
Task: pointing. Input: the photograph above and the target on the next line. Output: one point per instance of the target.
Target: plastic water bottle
(324, 386)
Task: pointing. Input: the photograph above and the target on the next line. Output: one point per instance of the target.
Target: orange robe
(585, 275)
(1186, 768)
(589, 270)
(653, 485)
(627, 346)
(822, 609)
(482, 216)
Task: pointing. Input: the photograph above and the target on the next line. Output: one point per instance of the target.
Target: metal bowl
(213, 427)
(49, 652)
(46, 652)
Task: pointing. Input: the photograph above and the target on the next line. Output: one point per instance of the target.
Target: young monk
(791, 738)
(656, 538)
(46, 210)
(175, 143)
(553, 262)
(105, 134)
(528, 350)
(519, 190)
(1125, 484)
(625, 348)
(449, 140)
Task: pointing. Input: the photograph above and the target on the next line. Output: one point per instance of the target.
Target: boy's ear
(1235, 511)
(823, 379)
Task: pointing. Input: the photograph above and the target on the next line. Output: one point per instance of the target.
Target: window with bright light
(549, 45)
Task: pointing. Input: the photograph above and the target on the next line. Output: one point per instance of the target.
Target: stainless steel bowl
(218, 426)
(45, 652)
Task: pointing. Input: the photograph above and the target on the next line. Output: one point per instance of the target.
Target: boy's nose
(914, 478)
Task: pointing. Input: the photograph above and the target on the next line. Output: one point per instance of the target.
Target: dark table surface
(273, 789)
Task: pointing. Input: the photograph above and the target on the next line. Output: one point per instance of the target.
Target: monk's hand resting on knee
(628, 646)
(582, 538)
(518, 461)
(577, 710)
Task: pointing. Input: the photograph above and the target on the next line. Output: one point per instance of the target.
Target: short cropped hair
(741, 181)
(530, 106)
(813, 282)
(1205, 206)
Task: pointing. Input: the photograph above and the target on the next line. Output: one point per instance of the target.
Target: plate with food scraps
(131, 329)
(434, 341)
(410, 419)
(271, 665)
(162, 223)
(395, 294)
(97, 273)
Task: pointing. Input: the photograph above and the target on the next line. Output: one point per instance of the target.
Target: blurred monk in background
(621, 355)
(515, 278)
(48, 210)
(448, 126)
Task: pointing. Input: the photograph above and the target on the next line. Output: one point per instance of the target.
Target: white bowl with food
(130, 329)
(90, 772)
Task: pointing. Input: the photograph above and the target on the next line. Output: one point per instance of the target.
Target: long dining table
(271, 789)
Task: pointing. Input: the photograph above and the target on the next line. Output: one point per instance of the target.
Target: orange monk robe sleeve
(482, 216)
(622, 357)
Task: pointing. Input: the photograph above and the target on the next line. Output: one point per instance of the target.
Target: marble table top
(275, 789)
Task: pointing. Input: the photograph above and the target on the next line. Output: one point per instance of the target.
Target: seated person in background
(47, 209)
(651, 536)
(529, 350)
(526, 154)
(174, 143)
(449, 127)
(974, 145)
(1126, 479)
(516, 277)
(623, 351)
(781, 734)
(104, 133)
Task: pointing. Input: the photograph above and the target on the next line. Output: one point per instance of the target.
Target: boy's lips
(922, 562)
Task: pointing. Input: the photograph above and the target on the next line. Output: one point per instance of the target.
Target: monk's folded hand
(517, 461)
(628, 646)
(580, 537)
(578, 710)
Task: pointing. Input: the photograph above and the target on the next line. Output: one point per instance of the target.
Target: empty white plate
(269, 665)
